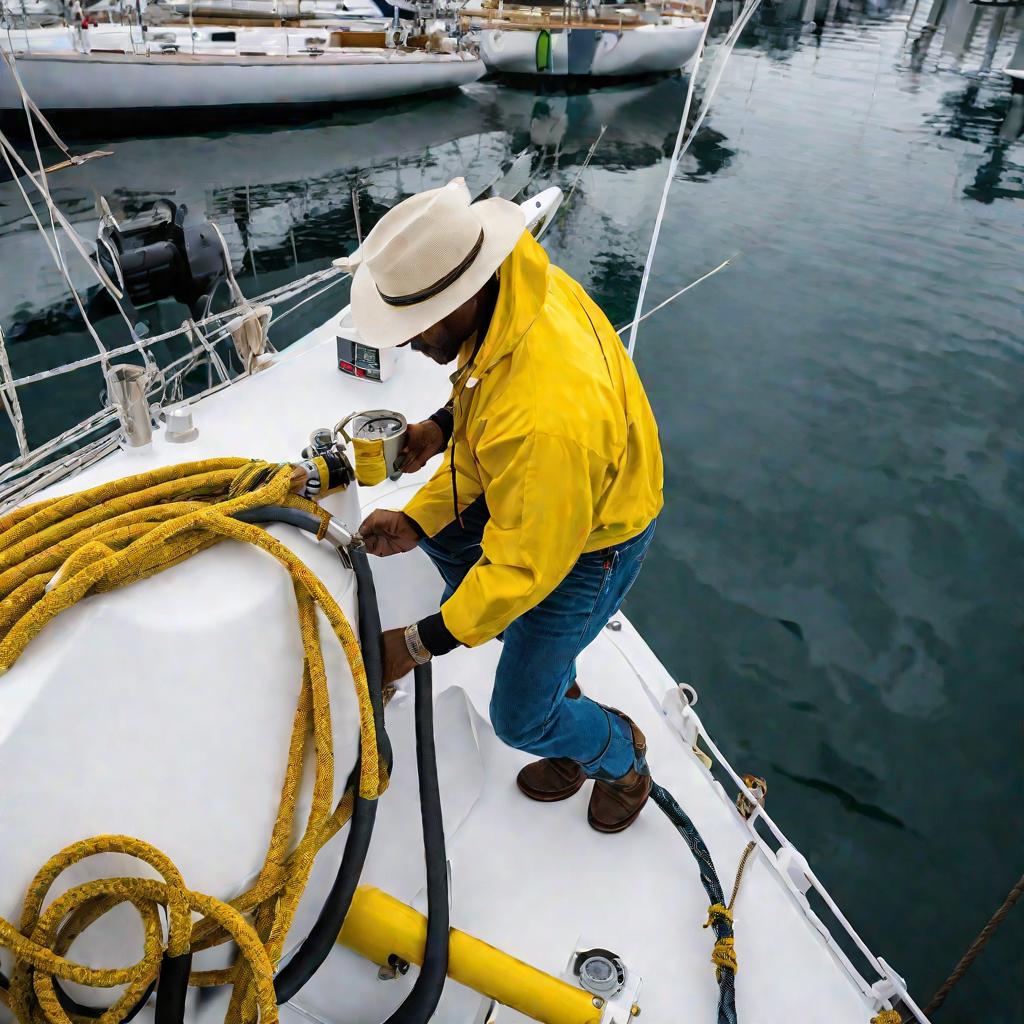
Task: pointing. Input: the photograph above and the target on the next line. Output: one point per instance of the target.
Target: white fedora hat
(425, 258)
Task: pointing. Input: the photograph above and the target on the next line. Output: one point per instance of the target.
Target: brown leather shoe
(551, 779)
(614, 806)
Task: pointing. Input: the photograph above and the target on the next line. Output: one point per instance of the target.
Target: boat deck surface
(532, 879)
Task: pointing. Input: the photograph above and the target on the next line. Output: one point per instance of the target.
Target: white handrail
(890, 987)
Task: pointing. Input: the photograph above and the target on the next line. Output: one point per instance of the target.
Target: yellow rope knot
(718, 912)
(723, 956)
(887, 1017)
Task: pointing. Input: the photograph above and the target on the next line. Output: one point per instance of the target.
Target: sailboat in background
(586, 39)
(174, 67)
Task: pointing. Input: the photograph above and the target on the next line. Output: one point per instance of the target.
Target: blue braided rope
(712, 886)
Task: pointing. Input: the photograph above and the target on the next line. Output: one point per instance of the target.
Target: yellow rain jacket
(553, 427)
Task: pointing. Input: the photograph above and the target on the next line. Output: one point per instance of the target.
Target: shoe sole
(549, 797)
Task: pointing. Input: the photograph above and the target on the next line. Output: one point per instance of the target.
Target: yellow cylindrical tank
(378, 926)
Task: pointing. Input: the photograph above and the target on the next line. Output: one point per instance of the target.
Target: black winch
(160, 256)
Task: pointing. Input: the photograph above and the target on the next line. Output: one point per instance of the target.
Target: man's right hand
(388, 533)
(422, 442)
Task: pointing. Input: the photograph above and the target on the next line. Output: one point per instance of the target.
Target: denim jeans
(529, 709)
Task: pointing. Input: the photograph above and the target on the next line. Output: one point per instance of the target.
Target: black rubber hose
(94, 1012)
(318, 944)
(419, 1006)
(369, 640)
(281, 514)
(80, 1009)
(315, 948)
(172, 988)
(712, 886)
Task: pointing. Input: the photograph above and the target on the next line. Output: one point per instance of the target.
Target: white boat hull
(601, 53)
(113, 81)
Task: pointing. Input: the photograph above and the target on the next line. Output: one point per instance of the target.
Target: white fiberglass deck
(531, 879)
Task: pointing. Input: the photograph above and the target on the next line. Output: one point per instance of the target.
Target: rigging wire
(281, 294)
(684, 139)
(675, 295)
(98, 271)
(58, 141)
(582, 168)
(9, 396)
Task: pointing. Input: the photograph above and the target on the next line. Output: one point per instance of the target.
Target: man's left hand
(397, 659)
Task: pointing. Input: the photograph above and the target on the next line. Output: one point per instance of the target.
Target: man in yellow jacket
(543, 508)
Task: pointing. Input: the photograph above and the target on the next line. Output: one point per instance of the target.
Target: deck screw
(634, 1010)
(615, 626)
(394, 967)
(598, 1002)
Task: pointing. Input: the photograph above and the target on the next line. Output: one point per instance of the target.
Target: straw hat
(425, 258)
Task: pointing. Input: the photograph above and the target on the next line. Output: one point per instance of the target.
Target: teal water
(839, 566)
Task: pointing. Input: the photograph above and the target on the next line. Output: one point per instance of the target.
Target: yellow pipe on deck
(378, 926)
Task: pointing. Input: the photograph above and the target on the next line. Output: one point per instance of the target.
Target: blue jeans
(529, 709)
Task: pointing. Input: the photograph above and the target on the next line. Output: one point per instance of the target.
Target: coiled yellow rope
(108, 537)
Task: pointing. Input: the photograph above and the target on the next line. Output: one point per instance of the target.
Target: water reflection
(989, 114)
(285, 198)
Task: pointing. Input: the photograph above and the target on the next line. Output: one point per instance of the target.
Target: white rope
(50, 130)
(6, 149)
(280, 294)
(72, 434)
(309, 298)
(45, 189)
(43, 477)
(162, 379)
(9, 394)
(682, 291)
(10, 153)
(215, 359)
(43, 185)
(676, 153)
(24, 488)
(683, 139)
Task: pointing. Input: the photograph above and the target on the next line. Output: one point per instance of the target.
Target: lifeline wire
(682, 145)
(676, 295)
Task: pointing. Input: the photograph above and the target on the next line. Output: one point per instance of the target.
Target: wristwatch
(414, 644)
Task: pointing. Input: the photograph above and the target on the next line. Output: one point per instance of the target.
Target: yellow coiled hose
(108, 537)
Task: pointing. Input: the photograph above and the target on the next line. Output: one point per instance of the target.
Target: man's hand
(397, 659)
(422, 442)
(388, 533)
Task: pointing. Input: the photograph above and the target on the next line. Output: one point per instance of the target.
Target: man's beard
(444, 353)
